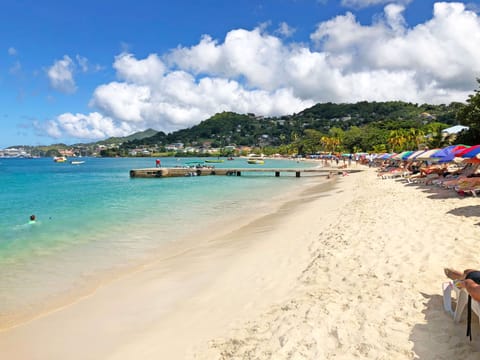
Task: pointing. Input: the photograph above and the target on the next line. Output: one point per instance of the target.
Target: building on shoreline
(14, 153)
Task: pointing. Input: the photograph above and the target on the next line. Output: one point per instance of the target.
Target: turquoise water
(93, 218)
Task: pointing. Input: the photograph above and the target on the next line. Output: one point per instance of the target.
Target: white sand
(355, 272)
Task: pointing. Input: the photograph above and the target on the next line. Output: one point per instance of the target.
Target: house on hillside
(454, 130)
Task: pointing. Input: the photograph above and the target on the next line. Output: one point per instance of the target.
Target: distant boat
(60, 159)
(230, 158)
(214, 161)
(76, 162)
(194, 164)
(256, 159)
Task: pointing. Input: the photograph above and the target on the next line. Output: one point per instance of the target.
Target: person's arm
(473, 288)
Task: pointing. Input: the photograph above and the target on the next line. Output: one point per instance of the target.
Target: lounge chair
(468, 186)
(461, 298)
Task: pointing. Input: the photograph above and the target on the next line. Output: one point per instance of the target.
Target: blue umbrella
(446, 154)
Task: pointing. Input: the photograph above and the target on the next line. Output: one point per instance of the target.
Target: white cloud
(441, 51)
(60, 75)
(253, 71)
(91, 126)
(82, 62)
(12, 51)
(139, 71)
(285, 30)
(123, 101)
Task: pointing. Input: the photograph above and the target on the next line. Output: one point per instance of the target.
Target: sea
(93, 220)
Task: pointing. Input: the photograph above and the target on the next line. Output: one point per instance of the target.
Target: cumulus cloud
(60, 75)
(90, 126)
(12, 51)
(254, 71)
(440, 53)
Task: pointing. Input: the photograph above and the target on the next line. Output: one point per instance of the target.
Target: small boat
(214, 161)
(230, 158)
(256, 159)
(76, 162)
(59, 159)
(194, 164)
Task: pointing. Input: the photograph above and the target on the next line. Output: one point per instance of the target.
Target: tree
(435, 138)
(470, 116)
(353, 139)
(415, 137)
(397, 140)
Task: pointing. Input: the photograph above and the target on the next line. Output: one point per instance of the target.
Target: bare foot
(453, 274)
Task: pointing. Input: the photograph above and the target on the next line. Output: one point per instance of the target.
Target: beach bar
(203, 171)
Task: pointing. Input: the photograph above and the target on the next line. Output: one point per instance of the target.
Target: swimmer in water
(33, 219)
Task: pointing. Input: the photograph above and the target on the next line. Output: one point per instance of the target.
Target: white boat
(76, 162)
(256, 159)
(60, 159)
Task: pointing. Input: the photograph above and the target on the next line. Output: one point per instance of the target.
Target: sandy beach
(351, 268)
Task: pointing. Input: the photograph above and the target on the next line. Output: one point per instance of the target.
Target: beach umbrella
(400, 156)
(447, 154)
(427, 155)
(460, 152)
(384, 156)
(470, 152)
(459, 148)
(396, 156)
(413, 156)
(405, 155)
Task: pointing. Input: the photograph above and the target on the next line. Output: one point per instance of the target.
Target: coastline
(115, 230)
(354, 271)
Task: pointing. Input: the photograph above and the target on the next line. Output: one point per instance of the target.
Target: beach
(350, 268)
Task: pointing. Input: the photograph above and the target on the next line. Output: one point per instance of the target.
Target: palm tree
(397, 139)
(415, 137)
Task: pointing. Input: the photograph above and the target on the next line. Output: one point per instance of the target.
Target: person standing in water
(33, 219)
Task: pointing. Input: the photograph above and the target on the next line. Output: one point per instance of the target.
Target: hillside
(363, 126)
(136, 136)
(231, 128)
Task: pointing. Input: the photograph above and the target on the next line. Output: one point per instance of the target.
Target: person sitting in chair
(468, 279)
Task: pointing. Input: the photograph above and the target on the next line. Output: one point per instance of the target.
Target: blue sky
(80, 71)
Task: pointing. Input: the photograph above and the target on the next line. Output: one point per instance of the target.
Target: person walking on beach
(157, 163)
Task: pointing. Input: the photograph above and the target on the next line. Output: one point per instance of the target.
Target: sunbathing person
(464, 173)
(468, 279)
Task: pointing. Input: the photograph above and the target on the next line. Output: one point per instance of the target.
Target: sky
(82, 71)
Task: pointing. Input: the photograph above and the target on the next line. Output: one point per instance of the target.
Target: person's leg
(453, 274)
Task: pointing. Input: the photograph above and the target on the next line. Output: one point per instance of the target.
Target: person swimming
(33, 219)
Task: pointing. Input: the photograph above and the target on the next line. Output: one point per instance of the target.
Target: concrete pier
(203, 171)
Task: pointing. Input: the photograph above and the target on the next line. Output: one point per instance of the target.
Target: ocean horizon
(94, 221)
